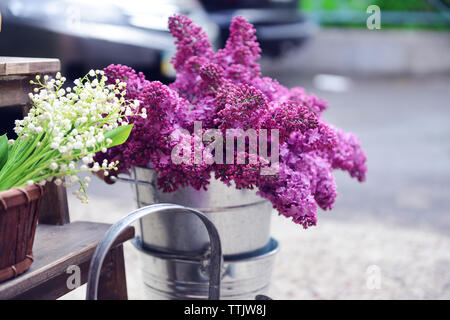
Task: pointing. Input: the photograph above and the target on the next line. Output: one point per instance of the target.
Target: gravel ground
(387, 238)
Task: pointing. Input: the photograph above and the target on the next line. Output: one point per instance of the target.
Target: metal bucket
(241, 217)
(243, 278)
(242, 220)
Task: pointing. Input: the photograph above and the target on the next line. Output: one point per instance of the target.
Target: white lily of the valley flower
(74, 125)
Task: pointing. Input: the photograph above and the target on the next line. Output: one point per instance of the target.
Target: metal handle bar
(116, 229)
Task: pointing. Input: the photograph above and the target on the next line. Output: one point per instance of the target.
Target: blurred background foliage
(411, 14)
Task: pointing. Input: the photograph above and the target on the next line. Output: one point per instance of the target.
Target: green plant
(64, 129)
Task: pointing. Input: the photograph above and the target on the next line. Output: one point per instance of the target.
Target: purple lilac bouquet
(225, 90)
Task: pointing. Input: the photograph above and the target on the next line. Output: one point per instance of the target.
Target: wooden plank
(55, 249)
(20, 66)
(54, 206)
(54, 288)
(14, 90)
(112, 283)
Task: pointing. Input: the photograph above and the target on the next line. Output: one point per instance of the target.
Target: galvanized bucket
(242, 277)
(242, 220)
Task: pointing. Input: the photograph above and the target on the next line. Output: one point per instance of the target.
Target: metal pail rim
(267, 251)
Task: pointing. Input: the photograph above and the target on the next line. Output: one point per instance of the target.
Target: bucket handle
(117, 228)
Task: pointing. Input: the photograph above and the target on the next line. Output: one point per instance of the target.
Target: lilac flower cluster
(225, 90)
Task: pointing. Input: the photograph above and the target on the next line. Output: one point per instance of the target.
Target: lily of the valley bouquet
(64, 129)
(215, 92)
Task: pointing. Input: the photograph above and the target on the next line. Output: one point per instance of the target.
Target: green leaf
(3, 150)
(119, 135)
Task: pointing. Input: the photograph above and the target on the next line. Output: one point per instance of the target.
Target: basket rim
(19, 196)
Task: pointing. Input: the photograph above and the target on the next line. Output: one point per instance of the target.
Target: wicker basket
(19, 210)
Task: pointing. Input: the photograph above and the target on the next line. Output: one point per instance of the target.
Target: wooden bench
(59, 245)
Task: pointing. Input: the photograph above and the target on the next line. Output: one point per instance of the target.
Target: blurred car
(279, 24)
(87, 34)
(91, 34)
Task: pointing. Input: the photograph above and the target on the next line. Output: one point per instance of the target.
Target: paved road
(404, 126)
(394, 228)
